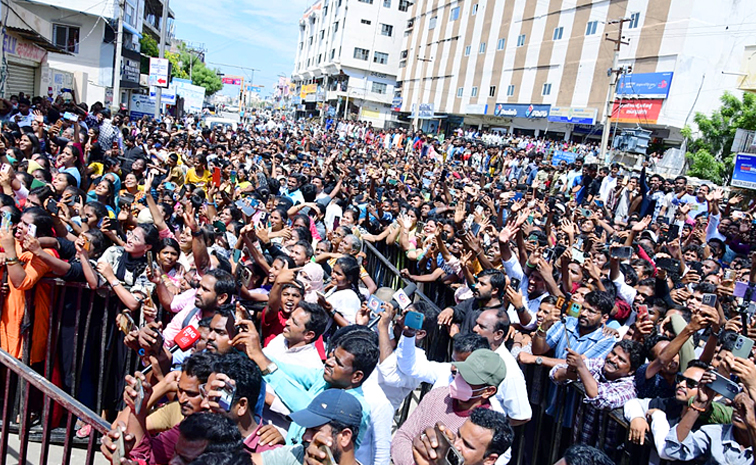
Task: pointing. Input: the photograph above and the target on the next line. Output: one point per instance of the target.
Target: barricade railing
(44, 401)
(545, 437)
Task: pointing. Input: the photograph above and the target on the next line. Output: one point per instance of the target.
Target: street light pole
(116, 104)
(159, 90)
(418, 93)
(613, 78)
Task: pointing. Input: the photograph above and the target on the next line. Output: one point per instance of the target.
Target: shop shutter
(20, 79)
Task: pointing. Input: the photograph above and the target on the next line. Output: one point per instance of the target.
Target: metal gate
(20, 79)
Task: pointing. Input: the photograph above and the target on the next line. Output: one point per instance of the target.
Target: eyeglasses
(690, 383)
(134, 237)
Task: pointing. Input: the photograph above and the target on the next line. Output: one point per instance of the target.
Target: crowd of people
(236, 265)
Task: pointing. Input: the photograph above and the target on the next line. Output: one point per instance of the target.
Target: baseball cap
(330, 405)
(483, 366)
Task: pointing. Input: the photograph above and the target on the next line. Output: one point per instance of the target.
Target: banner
(426, 110)
(396, 104)
(234, 81)
(744, 173)
(560, 155)
(193, 96)
(476, 109)
(167, 97)
(637, 111)
(308, 89)
(141, 105)
(532, 111)
(159, 72)
(644, 85)
(573, 115)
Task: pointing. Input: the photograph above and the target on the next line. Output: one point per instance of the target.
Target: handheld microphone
(184, 340)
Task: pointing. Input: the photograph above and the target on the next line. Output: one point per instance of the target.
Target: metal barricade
(78, 351)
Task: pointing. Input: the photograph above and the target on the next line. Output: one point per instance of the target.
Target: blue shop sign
(531, 111)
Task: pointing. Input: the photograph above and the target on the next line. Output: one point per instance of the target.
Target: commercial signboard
(637, 111)
(426, 110)
(644, 85)
(562, 156)
(744, 173)
(573, 115)
(516, 110)
(231, 80)
(307, 89)
(396, 104)
(193, 95)
(476, 109)
(167, 96)
(159, 72)
(141, 105)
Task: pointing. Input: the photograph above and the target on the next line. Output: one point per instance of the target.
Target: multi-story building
(348, 58)
(537, 66)
(83, 37)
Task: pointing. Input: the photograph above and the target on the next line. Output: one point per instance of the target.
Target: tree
(183, 62)
(718, 130)
(149, 48)
(207, 78)
(702, 164)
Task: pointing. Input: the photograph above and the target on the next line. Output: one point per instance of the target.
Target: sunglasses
(690, 383)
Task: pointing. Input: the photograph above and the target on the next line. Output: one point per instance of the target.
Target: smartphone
(52, 207)
(120, 451)
(642, 312)
(586, 213)
(578, 256)
(5, 168)
(599, 203)
(216, 176)
(225, 401)
(674, 231)
(32, 230)
(150, 260)
(87, 244)
(329, 460)
(548, 255)
(375, 304)
(140, 397)
(514, 283)
(237, 255)
(560, 303)
(475, 229)
(414, 320)
(724, 386)
(622, 253)
(668, 264)
(574, 310)
(70, 116)
(709, 299)
(479, 209)
(6, 221)
(233, 176)
(446, 451)
(742, 347)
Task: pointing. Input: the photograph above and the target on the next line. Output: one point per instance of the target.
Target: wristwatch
(539, 360)
(269, 369)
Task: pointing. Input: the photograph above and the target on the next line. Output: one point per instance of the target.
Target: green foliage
(183, 62)
(149, 48)
(177, 67)
(207, 78)
(704, 165)
(718, 129)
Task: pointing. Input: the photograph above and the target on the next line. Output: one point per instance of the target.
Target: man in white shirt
(296, 344)
(609, 182)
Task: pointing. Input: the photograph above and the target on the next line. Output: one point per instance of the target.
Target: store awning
(37, 39)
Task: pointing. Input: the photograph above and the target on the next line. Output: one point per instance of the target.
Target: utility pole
(116, 104)
(163, 29)
(419, 93)
(614, 73)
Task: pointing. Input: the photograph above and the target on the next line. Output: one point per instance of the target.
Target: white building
(348, 58)
(86, 32)
(531, 65)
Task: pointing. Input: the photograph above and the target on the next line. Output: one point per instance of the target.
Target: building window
(310, 41)
(361, 53)
(404, 5)
(66, 37)
(546, 89)
(336, 27)
(379, 87)
(558, 33)
(510, 90)
(474, 92)
(460, 91)
(380, 58)
(474, 10)
(333, 53)
(467, 51)
(322, 34)
(492, 91)
(521, 40)
(387, 3)
(591, 27)
(366, 21)
(432, 22)
(320, 58)
(403, 54)
(454, 14)
(308, 62)
(301, 44)
(366, 1)
(128, 14)
(500, 44)
(634, 20)
(387, 30)
(403, 64)
(482, 48)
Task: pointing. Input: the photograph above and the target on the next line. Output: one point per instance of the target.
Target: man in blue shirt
(350, 363)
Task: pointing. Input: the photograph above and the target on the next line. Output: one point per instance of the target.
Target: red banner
(637, 111)
(232, 81)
